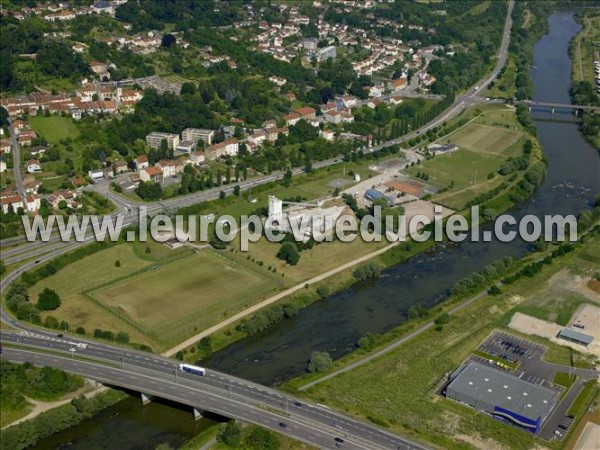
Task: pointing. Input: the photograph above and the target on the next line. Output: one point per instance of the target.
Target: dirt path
(275, 298)
(392, 346)
(40, 407)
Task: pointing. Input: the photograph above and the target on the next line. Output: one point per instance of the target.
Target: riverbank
(399, 388)
(584, 51)
(309, 291)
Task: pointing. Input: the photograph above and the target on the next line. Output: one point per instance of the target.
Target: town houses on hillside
(89, 99)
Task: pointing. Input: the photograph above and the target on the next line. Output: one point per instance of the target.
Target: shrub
(320, 362)
(48, 300)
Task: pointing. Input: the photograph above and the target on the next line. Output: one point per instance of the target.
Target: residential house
(31, 185)
(273, 133)
(197, 158)
(398, 84)
(5, 146)
(32, 203)
(227, 147)
(328, 135)
(141, 162)
(395, 100)
(291, 119)
(96, 174)
(258, 137)
(168, 168)
(34, 166)
(3, 167)
(153, 173)
(25, 138)
(120, 167)
(13, 201)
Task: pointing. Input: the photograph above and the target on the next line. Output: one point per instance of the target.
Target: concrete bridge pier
(146, 398)
(198, 414)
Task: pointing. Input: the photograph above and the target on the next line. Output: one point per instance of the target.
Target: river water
(337, 322)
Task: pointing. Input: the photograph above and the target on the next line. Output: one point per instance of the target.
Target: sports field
(195, 291)
(54, 128)
(485, 139)
(484, 144)
(463, 167)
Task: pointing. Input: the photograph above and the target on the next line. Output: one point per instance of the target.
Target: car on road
(283, 424)
(338, 439)
(297, 404)
(60, 335)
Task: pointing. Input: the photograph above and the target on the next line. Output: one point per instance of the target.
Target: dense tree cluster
(266, 318)
(319, 362)
(366, 272)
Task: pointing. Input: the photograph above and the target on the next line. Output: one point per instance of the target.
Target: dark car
(60, 335)
(338, 439)
(283, 425)
(297, 404)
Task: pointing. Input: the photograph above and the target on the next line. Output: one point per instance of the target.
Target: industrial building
(155, 139)
(568, 334)
(502, 395)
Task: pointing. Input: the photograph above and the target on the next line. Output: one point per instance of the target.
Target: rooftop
(573, 335)
(504, 390)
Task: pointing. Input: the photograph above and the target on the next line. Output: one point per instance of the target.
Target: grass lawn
(398, 389)
(505, 86)
(189, 294)
(589, 391)
(54, 128)
(463, 167)
(584, 45)
(485, 139)
(564, 379)
(9, 415)
(313, 262)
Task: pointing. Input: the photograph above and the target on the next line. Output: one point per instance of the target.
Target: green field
(70, 283)
(463, 167)
(196, 291)
(584, 45)
(54, 128)
(398, 390)
(485, 139)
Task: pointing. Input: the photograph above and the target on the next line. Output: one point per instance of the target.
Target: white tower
(275, 209)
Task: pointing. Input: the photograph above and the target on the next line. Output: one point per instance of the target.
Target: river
(337, 322)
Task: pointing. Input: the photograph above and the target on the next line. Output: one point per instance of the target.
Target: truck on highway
(194, 370)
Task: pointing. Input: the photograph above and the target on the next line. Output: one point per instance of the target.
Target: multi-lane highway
(215, 392)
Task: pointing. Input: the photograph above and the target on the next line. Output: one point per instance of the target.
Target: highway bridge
(156, 376)
(553, 106)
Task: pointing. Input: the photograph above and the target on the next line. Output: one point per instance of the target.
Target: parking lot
(526, 355)
(526, 358)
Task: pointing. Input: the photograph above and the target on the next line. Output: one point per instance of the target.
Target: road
(215, 392)
(16, 152)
